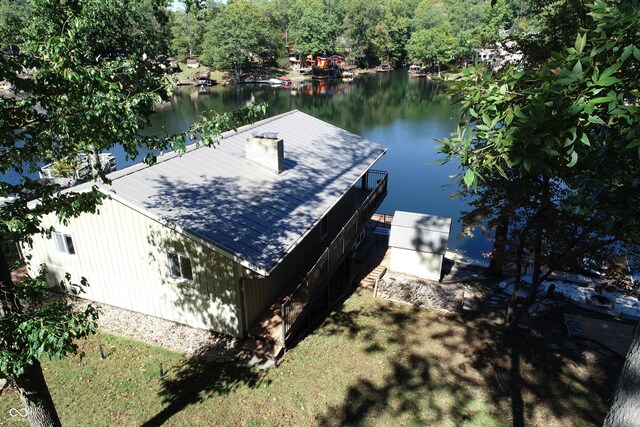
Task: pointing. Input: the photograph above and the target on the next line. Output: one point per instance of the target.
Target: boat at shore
(286, 82)
(384, 67)
(326, 68)
(80, 168)
(203, 79)
(417, 71)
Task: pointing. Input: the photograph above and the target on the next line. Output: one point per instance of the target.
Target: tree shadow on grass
(462, 368)
(198, 379)
(409, 394)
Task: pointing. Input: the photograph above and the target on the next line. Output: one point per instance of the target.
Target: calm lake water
(403, 114)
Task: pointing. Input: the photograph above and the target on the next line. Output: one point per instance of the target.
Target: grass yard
(188, 74)
(372, 362)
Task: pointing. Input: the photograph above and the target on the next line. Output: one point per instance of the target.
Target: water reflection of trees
(365, 102)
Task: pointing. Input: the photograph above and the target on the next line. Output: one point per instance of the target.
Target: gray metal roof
(251, 214)
(420, 232)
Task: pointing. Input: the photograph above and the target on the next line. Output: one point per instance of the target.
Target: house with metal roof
(224, 238)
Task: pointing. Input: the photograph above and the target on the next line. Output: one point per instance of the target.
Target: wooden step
(268, 327)
(373, 277)
(263, 348)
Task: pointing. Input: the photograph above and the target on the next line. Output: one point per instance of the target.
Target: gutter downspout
(243, 299)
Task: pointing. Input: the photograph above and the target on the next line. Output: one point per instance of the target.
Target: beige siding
(421, 264)
(122, 253)
(260, 293)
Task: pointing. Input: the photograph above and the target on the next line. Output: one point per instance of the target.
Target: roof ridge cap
(250, 126)
(137, 167)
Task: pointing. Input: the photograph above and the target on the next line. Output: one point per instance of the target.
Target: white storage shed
(418, 244)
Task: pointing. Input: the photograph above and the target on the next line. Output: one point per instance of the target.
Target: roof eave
(311, 227)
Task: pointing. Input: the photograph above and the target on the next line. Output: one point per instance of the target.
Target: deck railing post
(326, 271)
(305, 291)
(284, 323)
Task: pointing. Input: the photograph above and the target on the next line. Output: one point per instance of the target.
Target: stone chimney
(266, 149)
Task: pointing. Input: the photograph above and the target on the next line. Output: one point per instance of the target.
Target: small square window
(69, 242)
(185, 268)
(64, 243)
(179, 266)
(174, 264)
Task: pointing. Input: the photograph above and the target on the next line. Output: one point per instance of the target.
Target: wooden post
(375, 289)
(284, 323)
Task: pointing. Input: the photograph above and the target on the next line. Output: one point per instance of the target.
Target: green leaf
(527, 164)
(577, 69)
(627, 52)
(636, 53)
(603, 99)
(469, 177)
(595, 119)
(518, 112)
(585, 139)
(508, 118)
(609, 71)
(581, 41)
(574, 159)
(589, 108)
(607, 81)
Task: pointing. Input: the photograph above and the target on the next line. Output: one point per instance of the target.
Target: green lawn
(188, 74)
(372, 362)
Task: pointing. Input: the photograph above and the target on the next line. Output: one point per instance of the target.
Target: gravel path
(422, 293)
(163, 333)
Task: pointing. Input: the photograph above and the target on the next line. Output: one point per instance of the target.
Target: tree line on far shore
(231, 35)
(365, 32)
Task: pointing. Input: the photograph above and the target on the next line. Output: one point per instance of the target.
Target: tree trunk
(35, 397)
(31, 385)
(94, 159)
(8, 299)
(541, 221)
(625, 409)
(496, 266)
(512, 313)
(517, 403)
(535, 276)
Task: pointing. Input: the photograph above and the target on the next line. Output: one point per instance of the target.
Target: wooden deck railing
(331, 259)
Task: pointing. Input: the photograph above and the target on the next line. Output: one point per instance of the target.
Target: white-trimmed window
(179, 266)
(64, 243)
